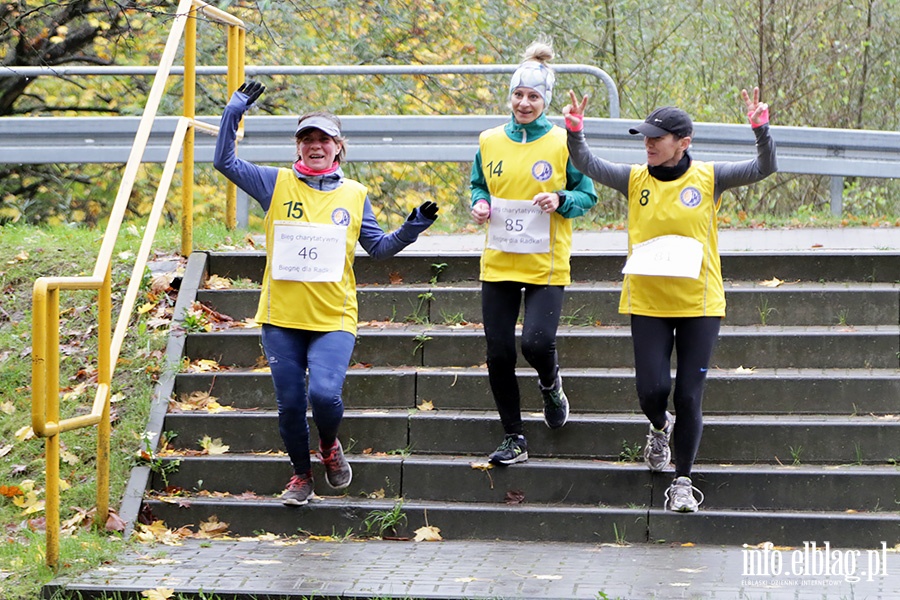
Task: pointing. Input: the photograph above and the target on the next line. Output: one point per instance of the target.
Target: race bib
(308, 251)
(666, 256)
(518, 226)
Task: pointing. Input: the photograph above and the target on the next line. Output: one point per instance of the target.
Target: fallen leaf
(428, 533)
(8, 407)
(10, 491)
(213, 446)
(514, 497)
(4, 450)
(212, 528)
(24, 433)
(159, 593)
(395, 278)
(772, 283)
(742, 371)
(216, 282)
(426, 405)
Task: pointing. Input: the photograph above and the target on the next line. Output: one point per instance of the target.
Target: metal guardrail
(836, 153)
(612, 91)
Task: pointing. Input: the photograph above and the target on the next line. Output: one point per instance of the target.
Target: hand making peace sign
(757, 111)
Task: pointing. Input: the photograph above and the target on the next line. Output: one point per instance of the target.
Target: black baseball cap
(667, 119)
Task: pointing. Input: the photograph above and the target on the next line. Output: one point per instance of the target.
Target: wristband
(763, 118)
(574, 123)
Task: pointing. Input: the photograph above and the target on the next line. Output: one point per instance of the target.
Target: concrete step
(551, 482)
(339, 516)
(871, 347)
(761, 391)
(762, 439)
(749, 303)
(411, 267)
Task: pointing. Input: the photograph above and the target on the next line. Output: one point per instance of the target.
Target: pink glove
(574, 123)
(762, 116)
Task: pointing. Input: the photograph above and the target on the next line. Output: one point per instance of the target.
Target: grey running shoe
(299, 490)
(338, 473)
(513, 449)
(556, 405)
(680, 496)
(657, 454)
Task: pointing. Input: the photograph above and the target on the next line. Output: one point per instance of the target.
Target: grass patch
(28, 253)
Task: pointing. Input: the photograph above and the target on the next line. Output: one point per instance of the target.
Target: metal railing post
(187, 161)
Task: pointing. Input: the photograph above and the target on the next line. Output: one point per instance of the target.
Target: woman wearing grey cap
(673, 278)
(527, 191)
(307, 306)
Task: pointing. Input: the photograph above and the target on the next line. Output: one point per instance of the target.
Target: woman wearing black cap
(673, 278)
(307, 307)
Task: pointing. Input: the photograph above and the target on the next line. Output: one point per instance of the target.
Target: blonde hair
(540, 50)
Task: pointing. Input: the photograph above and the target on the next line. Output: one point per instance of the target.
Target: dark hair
(334, 119)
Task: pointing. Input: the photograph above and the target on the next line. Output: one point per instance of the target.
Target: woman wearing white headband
(524, 186)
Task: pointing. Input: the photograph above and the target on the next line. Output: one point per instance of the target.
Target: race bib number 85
(308, 251)
(518, 226)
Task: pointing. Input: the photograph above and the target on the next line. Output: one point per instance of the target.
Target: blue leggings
(693, 339)
(500, 302)
(292, 353)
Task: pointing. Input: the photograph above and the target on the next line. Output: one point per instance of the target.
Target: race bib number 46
(518, 226)
(308, 251)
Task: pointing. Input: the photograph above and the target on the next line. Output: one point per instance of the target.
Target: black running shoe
(513, 449)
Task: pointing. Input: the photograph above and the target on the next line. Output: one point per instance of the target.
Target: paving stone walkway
(499, 570)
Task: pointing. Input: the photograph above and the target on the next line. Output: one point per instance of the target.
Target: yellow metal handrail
(45, 419)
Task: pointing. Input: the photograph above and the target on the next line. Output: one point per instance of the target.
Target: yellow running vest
(516, 171)
(314, 306)
(682, 207)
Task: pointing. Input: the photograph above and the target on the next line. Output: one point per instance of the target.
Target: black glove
(253, 90)
(429, 210)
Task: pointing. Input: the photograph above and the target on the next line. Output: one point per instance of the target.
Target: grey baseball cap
(318, 122)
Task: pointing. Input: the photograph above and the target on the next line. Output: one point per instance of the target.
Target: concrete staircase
(801, 438)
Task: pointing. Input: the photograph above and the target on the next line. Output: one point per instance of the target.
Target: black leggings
(693, 339)
(500, 301)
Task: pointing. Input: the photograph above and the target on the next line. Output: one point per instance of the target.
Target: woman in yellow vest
(673, 277)
(524, 186)
(307, 307)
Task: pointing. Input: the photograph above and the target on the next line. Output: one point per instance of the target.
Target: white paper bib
(308, 251)
(518, 226)
(666, 256)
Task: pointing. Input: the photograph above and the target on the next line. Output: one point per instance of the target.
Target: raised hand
(574, 112)
(429, 210)
(757, 112)
(251, 91)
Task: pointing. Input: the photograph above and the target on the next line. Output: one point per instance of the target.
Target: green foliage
(29, 253)
(380, 522)
(818, 64)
